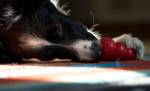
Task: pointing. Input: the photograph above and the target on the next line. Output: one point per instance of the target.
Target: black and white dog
(41, 29)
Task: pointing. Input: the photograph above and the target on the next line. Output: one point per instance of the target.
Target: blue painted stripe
(104, 65)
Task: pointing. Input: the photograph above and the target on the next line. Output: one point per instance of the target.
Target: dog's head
(61, 29)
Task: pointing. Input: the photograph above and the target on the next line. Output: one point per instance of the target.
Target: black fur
(40, 19)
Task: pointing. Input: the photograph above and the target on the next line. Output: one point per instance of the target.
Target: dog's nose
(95, 47)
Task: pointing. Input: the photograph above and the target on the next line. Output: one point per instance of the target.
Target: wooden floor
(51, 75)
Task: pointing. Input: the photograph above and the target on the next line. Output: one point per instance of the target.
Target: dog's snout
(95, 46)
(96, 49)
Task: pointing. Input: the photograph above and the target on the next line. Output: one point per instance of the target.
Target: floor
(70, 76)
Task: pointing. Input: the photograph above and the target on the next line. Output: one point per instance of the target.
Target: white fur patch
(83, 49)
(60, 8)
(95, 34)
(10, 17)
(33, 42)
(9, 12)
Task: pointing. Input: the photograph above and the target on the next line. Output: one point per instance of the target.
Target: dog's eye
(55, 31)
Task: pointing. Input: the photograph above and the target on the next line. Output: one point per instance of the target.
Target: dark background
(115, 16)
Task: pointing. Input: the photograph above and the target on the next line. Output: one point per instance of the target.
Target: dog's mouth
(88, 51)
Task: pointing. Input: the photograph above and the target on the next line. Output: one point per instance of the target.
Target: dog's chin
(90, 58)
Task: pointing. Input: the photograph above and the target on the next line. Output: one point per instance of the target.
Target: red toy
(108, 47)
(130, 53)
(115, 51)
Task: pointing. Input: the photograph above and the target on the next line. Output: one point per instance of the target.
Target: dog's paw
(132, 42)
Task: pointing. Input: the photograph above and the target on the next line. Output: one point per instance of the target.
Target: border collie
(42, 29)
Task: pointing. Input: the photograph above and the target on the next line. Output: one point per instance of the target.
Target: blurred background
(115, 16)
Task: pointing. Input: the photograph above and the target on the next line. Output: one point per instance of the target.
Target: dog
(42, 29)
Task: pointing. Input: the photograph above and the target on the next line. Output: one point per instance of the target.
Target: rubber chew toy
(115, 51)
